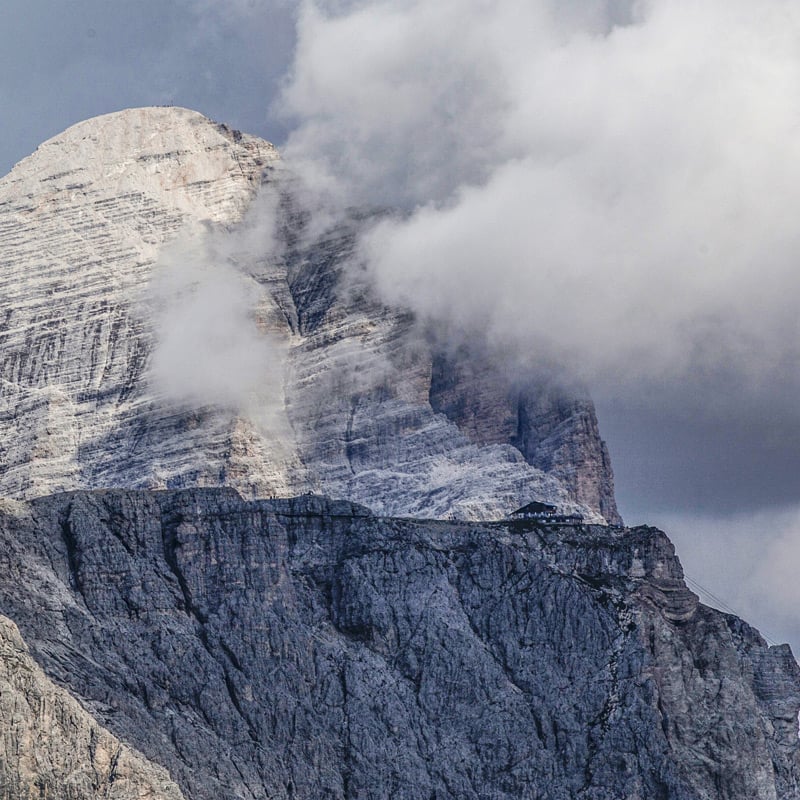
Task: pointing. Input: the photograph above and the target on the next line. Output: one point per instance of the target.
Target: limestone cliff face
(356, 410)
(82, 223)
(555, 428)
(51, 747)
(306, 649)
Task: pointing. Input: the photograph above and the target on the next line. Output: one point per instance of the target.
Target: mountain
(191, 365)
(100, 226)
(307, 649)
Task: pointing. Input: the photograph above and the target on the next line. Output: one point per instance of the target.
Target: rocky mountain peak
(355, 408)
(173, 156)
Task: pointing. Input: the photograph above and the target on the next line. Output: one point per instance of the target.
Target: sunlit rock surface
(306, 649)
(51, 747)
(82, 222)
(347, 408)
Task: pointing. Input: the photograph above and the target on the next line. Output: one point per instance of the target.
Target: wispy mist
(215, 341)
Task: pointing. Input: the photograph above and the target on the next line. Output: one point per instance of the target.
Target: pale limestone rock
(83, 221)
(86, 224)
(50, 747)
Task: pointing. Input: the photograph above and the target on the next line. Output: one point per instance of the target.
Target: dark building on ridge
(544, 512)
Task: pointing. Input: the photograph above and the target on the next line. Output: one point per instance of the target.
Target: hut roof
(535, 508)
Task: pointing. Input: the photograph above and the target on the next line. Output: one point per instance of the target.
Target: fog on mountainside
(618, 198)
(606, 187)
(651, 143)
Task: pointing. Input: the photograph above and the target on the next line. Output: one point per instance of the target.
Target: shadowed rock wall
(306, 649)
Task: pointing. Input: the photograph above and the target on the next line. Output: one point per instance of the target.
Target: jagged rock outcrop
(307, 649)
(85, 221)
(51, 747)
(555, 428)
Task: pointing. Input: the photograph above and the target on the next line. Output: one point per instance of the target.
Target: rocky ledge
(305, 648)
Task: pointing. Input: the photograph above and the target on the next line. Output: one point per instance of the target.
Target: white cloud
(213, 345)
(617, 197)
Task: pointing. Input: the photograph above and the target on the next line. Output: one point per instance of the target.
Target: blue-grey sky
(660, 136)
(63, 62)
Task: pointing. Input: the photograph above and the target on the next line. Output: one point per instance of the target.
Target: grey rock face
(553, 427)
(306, 649)
(85, 221)
(82, 223)
(51, 747)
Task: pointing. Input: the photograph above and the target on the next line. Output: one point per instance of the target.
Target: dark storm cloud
(667, 458)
